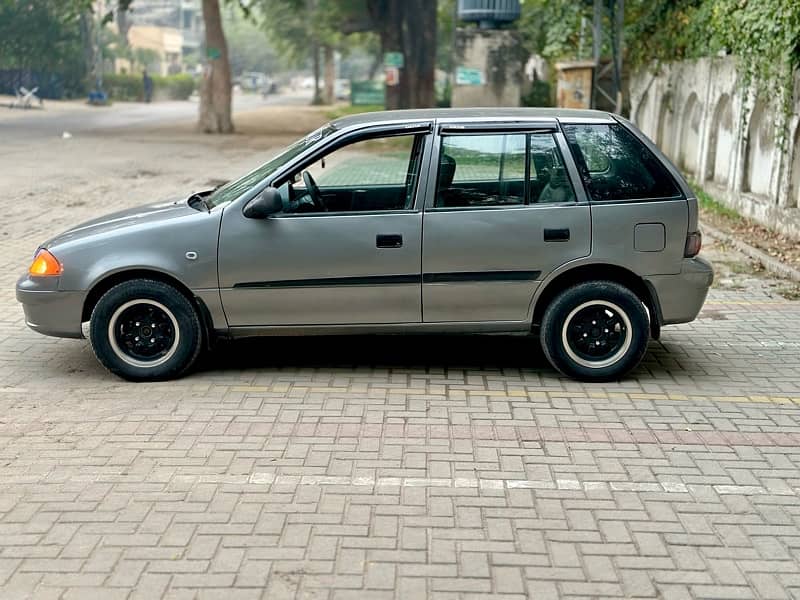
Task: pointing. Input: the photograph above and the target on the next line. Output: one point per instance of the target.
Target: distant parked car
(270, 87)
(568, 224)
(342, 89)
(253, 80)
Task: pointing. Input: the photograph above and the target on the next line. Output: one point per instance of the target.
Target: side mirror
(267, 203)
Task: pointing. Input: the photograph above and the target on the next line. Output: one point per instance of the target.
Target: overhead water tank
(489, 14)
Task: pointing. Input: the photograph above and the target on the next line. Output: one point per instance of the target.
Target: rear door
(640, 216)
(501, 213)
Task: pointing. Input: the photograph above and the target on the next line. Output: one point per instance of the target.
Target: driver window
(369, 175)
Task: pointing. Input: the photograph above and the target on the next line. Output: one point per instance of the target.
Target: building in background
(165, 44)
(488, 69)
(184, 15)
(172, 30)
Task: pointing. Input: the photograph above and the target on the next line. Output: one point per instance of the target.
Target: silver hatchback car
(568, 224)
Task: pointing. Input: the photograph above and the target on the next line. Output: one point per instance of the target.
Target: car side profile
(569, 225)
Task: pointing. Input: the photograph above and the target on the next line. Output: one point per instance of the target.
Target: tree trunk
(421, 31)
(330, 75)
(408, 27)
(215, 90)
(409, 30)
(388, 17)
(123, 23)
(317, 99)
(87, 37)
(311, 13)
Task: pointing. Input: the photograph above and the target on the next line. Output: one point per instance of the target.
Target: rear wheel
(595, 331)
(145, 330)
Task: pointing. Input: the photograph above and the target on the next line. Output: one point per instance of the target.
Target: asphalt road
(59, 117)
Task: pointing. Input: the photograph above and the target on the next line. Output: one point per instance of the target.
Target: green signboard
(367, 93)
(393, 59)
(469, 76)
(213, 53)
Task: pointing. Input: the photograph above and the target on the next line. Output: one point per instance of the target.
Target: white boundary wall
(694, 111)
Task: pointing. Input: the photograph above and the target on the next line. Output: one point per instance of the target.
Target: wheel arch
(101, 286)
(598, 272)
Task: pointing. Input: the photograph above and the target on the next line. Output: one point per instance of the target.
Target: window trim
(415, 126)
(344, 213)
(526, 189)
(577, 155)
(415, 130)
(485, 128)
(580, 197)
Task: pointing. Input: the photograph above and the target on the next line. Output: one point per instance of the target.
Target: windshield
(233, 189)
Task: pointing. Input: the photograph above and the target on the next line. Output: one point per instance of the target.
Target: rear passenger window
(481, 170)
(614, 165)
(501, 170)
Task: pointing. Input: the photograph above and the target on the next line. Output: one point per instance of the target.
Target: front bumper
(48, 310)
(680, 297)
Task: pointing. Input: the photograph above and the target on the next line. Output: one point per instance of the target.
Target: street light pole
(614, 12)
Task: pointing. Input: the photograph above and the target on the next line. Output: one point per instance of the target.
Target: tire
(574, 343)
(128, 345)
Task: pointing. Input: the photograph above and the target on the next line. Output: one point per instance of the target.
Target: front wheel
(595, 331)
(145, 330)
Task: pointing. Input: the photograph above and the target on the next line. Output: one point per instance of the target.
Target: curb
(771, 264)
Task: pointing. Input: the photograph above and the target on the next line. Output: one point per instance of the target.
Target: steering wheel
(313, 190)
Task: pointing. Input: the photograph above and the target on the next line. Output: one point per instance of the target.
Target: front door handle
(556, 235)
(389, 240)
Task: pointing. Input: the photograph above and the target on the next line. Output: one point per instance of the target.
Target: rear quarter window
(614, 165)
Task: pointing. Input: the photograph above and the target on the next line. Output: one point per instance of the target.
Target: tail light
(45, 265)
(694, 241)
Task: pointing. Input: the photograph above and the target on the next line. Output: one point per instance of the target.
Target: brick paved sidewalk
(402, 467)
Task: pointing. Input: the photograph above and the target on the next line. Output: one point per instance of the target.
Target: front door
(345, 250)
(502, 216)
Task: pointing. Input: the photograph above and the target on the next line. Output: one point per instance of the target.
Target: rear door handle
(389, 240)
(556, 235)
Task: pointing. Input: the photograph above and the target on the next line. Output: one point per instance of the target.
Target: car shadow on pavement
(388, 351)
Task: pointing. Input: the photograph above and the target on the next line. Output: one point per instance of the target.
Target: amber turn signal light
(45, 265)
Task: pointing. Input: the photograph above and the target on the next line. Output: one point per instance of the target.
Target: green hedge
(539, 94)
(131, 87)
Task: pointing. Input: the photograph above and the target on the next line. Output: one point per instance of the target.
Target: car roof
(476, 114)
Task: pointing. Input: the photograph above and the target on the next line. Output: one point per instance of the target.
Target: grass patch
(344, 110)
(711, 205)
(790, 292)
(741, 268)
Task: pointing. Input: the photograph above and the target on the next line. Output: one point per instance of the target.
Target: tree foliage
(763, 36)
(39, 34)
(551, 28)
(43, 38)
(292, 25)
(249, 48)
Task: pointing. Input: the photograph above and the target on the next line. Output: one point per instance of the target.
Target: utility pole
(607, 28)
(98, 50)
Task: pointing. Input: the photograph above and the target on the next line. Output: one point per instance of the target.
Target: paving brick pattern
(402, 468)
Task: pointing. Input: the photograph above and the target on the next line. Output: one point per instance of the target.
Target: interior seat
(447, 172)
